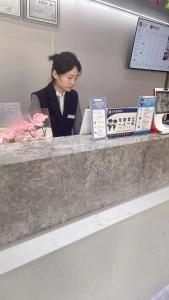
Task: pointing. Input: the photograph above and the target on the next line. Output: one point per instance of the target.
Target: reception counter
(47, 183)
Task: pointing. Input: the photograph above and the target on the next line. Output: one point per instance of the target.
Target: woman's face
(65, 82)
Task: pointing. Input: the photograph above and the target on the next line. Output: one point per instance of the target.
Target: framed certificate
(45, 11)
(11, 7)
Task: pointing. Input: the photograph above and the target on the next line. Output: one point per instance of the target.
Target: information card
(146, 107)
(121, 121)
(98, 117)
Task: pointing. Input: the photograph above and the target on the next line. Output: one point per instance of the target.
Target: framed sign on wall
(11, 7)
(43, 11)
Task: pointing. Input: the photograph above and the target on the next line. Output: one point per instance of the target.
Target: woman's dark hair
(64, 62)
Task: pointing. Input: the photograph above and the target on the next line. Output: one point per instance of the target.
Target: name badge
(71, 116)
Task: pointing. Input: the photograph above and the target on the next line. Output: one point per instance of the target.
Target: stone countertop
(12, 153)
(47, 183)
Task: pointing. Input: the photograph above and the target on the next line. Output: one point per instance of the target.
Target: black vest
(62, 125)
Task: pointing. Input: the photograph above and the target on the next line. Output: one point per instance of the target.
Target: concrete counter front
(46, 183)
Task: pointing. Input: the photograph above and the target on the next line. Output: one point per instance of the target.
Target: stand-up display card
(98, 117)
(121, 121)
(146, 108)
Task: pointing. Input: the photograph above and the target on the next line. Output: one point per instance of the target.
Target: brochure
(146, 108)
(98, 117)
(121, 121)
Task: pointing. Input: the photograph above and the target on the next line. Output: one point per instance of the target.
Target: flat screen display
(162, 104)
(151, 46)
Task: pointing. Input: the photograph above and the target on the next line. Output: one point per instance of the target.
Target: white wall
(100, 36)
(127, 261)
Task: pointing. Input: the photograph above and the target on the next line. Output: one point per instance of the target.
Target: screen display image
(151, 46)
(162, 104)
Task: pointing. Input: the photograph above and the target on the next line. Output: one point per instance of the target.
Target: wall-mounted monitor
(151, 46)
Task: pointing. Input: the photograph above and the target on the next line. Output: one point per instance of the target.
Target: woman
(59, 97)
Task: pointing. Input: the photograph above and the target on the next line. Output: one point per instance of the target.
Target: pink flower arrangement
(39, 119)
(25, 129)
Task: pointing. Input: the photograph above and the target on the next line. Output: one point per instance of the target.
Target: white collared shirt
(61, 100)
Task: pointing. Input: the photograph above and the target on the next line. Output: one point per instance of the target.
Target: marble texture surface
(46, 183)
(47, 242)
